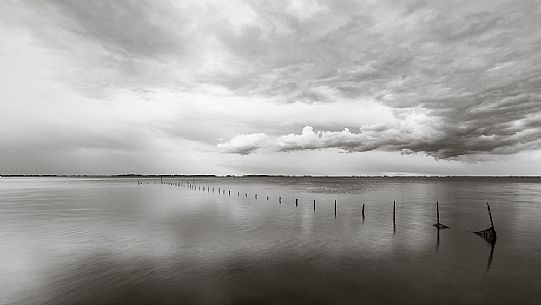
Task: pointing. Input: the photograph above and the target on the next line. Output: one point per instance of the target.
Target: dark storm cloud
(473, 68)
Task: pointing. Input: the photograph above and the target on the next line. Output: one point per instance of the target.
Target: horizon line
(262, 175)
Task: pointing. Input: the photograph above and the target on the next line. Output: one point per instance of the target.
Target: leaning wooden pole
(488, 234)
(363, 211)
(490, 216)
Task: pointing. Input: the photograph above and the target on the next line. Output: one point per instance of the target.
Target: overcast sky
(270, 87)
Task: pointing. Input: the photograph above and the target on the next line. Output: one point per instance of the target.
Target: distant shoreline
(269, 176)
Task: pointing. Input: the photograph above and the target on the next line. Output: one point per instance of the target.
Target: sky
(322, 87)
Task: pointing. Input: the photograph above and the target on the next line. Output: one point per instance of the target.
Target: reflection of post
(438, 240)
(492, 245)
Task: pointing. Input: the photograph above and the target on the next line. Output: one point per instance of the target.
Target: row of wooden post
(488, 234)
(220, 190)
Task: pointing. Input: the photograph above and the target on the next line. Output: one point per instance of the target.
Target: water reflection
(437, 240)
(118, 241)
(492, 246)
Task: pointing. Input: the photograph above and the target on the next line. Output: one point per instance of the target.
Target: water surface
(113, 241)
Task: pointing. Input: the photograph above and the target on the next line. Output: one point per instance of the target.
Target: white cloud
(310, 139)
(244, 144)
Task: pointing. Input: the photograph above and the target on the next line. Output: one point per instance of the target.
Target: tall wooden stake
(490, 215)
(394, 213)
(438, 211)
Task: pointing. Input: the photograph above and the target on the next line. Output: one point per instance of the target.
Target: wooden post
(394, 213)
(280, 199)
(437, 212)
(255, 196)
(490, 215)
(246, 195)
(363, 211)
(161, 180)
(238, 194)
(296, 202)
(229, 193)
(267, 197)
(334, 208)
(314, 205)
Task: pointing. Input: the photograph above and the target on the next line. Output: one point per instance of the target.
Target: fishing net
(488, 235)
(440, 226)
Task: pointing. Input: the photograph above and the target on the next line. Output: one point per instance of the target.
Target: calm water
(112, 241)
